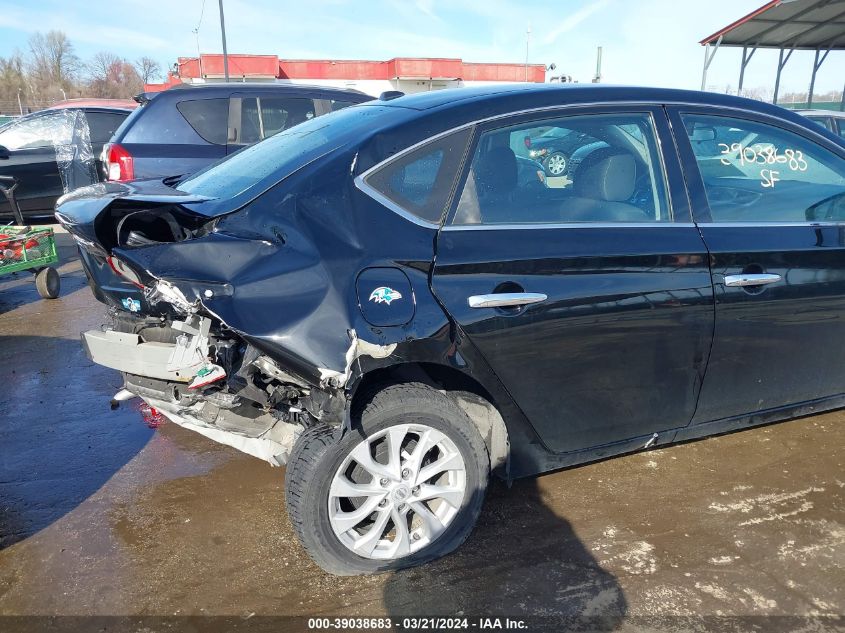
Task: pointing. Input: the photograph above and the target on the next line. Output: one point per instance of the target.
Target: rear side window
(583, 168)
(208, 117)
(421, 181)
(755, 172)
(825, 122)
(339, 105)
(281, 113)
(102, 125)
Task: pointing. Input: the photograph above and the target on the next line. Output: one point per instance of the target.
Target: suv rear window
(208, 117)
(255, 168)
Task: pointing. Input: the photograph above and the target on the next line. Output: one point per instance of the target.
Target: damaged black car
(388, 302)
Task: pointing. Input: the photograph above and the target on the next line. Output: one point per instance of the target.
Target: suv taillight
(118, 162)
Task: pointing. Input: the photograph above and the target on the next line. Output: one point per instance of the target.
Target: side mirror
(4, 153)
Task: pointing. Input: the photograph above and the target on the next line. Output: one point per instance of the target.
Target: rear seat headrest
(606, 174)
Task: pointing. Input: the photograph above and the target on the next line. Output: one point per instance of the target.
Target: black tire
(48, 283)
(556, 156)
(320, 451)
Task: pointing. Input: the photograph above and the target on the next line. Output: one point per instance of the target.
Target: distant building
(406, 74)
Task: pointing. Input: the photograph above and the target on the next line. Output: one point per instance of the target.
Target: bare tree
(12, 82)
(111, 77)
(53, 65)
(148, 69)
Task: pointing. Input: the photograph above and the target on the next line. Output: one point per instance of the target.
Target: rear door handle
(505, 299)
(745, 279)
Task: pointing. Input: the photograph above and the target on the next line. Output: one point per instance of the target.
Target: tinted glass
(37, 131)
(593, 168)
(208, 117)
(840, 124)
(250, 130)
(825, 122)
(280, 113)
(420, 181)
(256, 168)
(339, 105)
(102, 125)
(754, 172)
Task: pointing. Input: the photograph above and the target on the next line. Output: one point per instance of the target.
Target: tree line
(50, 71)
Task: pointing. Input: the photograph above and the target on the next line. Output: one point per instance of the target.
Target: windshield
(255, 168)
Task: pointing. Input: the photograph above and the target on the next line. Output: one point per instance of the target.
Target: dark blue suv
(184, 129)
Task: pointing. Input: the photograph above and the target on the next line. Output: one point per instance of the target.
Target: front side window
(588, 168)
(420, 181)
(755, 172)
(38, 131)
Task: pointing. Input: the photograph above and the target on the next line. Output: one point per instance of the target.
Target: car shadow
(521, 561)
(59, 439)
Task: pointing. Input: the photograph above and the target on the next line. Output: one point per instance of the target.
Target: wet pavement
(101, 515)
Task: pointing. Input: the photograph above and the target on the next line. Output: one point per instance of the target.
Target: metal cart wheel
(48, 283)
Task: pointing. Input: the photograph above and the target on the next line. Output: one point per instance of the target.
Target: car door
(769, 200)
(253, 117)
(589, 294)
(31, 159)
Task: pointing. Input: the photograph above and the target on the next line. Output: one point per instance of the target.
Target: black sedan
(386, 300)
(54, 151)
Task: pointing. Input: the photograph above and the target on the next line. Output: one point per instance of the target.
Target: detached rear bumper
(159, 373)
(126, 352)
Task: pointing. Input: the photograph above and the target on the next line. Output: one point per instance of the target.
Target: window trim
(674, 149)
(361, 183)
(700, 204)
(573, 110)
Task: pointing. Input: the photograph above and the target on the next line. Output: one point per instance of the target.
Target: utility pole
(527, 42)
(597, 78)
(223, 34)
(20, 107)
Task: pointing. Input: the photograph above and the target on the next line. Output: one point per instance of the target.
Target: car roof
(539, 95)
(84, 102)
(834, 113)
(222, 89)
(47, 111)
(482, 102)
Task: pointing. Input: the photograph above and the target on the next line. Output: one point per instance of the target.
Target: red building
(408, 74)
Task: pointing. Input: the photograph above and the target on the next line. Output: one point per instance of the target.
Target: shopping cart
(25, 248)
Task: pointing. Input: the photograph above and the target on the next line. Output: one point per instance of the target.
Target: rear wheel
(556, 164)
(48, 283)
(403, 488)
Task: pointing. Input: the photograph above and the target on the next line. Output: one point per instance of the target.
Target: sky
(645, 42)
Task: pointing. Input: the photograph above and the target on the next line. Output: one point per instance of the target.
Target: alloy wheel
(397, 491)
(556, 164)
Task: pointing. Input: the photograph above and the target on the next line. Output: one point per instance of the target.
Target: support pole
(781, 63)
(223, 35)
(745, 60)
(817, 63)
(708, 57)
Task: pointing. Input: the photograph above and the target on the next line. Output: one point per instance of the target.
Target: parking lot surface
(100, 514)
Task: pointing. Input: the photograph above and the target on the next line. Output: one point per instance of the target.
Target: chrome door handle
(743, 280)
(505, 299)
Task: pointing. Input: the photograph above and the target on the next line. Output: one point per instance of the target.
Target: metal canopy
(796, 24)
(787, 25)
